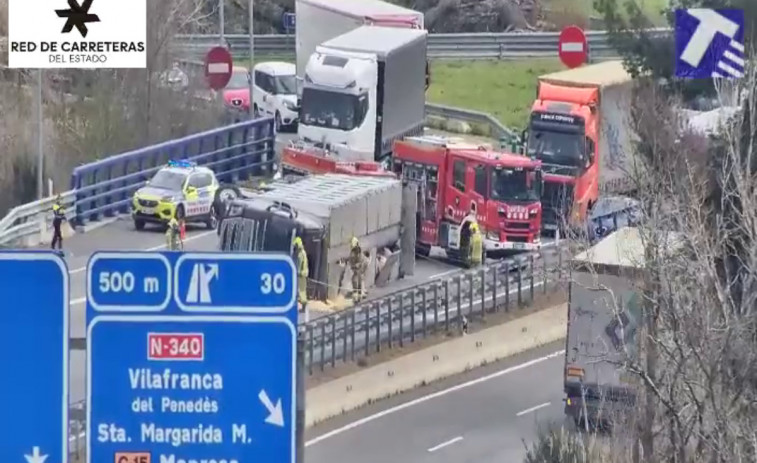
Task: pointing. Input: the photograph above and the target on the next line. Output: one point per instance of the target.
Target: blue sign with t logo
(709, 43)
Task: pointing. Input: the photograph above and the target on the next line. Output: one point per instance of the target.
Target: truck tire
(422, 250)
(224, 194)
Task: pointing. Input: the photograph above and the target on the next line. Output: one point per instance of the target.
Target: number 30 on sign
(175, 346)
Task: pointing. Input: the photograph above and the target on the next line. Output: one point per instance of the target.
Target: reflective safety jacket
(302, 263)
(476, 247)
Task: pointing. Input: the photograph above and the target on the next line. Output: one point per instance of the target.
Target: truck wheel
(139, 224)
(224, 195)
(212, 221)
(423, 250)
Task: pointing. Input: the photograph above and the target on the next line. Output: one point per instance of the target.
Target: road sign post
(34, 357)
(572, 46)
(218, 67)
(209, 375)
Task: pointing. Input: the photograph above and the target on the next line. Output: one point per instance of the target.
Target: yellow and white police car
(183, 188)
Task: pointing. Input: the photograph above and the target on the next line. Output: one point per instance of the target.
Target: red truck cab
(578, 122)
(458, 182)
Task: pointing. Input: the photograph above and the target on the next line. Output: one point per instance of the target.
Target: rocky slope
(441, 15)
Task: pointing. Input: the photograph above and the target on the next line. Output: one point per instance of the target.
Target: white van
(275, 92)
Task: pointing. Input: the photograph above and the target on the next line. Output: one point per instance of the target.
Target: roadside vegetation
(696, 372)
(91, 114)
(504, 89)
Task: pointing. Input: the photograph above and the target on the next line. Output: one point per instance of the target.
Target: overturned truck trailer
(327, 211)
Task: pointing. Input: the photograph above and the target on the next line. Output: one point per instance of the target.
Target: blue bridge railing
(104, 188)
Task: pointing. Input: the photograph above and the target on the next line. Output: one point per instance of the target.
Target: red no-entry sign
(218, 64)
(573, 48)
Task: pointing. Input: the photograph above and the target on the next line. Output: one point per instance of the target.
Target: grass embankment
(504, 89)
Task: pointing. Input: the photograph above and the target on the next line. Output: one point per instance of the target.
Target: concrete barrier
(434, 363)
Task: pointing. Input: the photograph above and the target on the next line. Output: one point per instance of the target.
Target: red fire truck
(459, 182)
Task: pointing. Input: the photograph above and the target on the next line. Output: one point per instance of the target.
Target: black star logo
(77, 16)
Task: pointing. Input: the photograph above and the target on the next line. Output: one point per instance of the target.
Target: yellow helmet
(473, 227)
(298, 242)
(354, 242)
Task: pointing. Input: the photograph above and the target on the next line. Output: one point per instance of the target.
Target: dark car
(610, 213)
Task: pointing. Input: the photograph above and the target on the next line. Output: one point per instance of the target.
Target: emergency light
(181, 163)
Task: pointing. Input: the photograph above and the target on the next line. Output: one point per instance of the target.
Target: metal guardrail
(435, 307)
(413, 314)
(236, 152)
(32, 220)
(505, 45)
(496, 128)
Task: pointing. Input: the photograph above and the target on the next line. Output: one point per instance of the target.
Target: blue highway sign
(289, 21)
(235, 283)
(216, 383)
(34, 357)
(140, 282)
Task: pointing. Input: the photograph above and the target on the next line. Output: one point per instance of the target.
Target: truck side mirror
(589, 151)
(524, 140)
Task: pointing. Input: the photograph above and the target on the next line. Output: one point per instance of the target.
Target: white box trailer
(347, 206)
(321, 20)
(605, 325)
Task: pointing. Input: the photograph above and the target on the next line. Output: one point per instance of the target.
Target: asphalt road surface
(487, 415)
(121, 236)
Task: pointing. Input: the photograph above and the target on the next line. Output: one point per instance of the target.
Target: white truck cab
(275, 92)
(364, 89)
(339, 103)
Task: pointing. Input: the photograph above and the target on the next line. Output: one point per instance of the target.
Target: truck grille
(147, 203)
(556, 201)
(518, 225)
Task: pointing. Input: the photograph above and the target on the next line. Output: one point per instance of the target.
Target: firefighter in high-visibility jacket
(476, 246)
(59, 216)
(358, 263)
(173, 235)
(302, 273)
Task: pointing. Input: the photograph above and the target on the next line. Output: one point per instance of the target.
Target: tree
(91, 114)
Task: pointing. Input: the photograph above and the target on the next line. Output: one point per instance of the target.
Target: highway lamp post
(40, 139)
(252, 58)
(222, 21)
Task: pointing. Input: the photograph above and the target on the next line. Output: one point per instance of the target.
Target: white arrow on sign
(199, 283)
(275, 413)
(35, 457)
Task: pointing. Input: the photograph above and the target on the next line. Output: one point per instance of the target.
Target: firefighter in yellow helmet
(358, 265)
(476, 246)
(173, 234)
(302, 272)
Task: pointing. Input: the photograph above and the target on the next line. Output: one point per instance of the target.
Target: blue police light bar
(181, 163)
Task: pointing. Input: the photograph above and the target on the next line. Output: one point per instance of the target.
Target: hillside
(441, 15)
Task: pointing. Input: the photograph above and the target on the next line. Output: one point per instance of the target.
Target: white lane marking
(431, 396)
(437, 275)
(533, 409)
(154, 248)
(445, 444)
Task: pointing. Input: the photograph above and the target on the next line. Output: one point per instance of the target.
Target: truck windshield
(556, 147)
(514, 185)
(168, 180)
(285, 85)
(333, 110)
